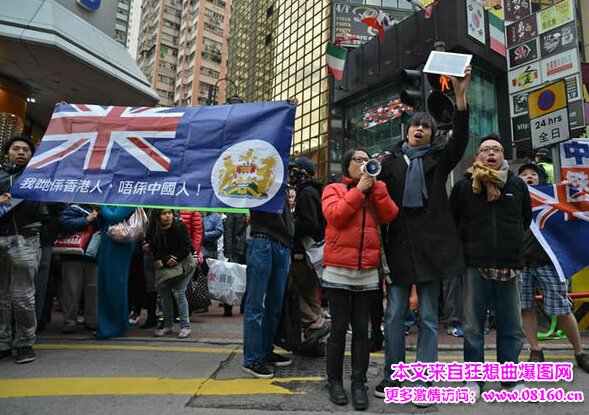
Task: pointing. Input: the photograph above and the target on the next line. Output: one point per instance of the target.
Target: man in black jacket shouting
(492, 210)
(422, 245)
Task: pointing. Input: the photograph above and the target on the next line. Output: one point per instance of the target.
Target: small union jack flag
(100, 130)
(572, 202)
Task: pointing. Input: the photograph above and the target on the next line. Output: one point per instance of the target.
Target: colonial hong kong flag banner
(561, 225)
(225, 158)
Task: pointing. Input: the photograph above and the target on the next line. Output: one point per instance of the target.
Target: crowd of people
(398, 232)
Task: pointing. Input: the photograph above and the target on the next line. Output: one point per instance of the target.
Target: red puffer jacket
(351, 236)
(193, 221)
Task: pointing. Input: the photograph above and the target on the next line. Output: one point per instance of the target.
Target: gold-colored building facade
(277, 51)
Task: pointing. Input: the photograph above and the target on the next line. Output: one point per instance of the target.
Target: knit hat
(532, 166)
(304, 163)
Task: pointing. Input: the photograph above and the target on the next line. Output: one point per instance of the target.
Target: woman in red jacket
(193, 221)
(353, 210)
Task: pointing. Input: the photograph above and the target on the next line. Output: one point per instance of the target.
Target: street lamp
(233, 99)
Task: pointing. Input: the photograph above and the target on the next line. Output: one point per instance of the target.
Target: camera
(371, 167)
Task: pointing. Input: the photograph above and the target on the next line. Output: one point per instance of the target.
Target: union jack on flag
(99, 130)
(561, 225)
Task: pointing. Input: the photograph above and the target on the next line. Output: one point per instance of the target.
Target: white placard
(447, 63)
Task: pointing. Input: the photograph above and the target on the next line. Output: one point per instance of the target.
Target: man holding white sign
(423, 246)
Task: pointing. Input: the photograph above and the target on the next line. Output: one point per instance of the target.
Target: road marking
(410, 357)
(24, 388)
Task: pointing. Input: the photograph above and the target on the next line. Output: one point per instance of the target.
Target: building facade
(277, 51)
(65, 52)
(182, 49)
(122, 21)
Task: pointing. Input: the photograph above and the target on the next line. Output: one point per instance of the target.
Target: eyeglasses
(485, 150)
(359, 159)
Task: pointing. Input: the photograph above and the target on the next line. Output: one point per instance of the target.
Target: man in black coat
(20, 253)
(422, 245)
(309, 230)
(492, 210)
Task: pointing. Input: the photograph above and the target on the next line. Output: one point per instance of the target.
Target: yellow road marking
(410, 357)
(21, 388)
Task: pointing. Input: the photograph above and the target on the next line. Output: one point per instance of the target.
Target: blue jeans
(477, 291)
(267, 271)
(19, 262)
(394, 318)
(175, 288)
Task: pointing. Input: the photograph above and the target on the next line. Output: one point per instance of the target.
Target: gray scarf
(415, 190)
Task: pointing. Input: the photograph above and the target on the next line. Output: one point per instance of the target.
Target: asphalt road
(143, 377)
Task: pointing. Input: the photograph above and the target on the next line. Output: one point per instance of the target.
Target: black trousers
(347, 307)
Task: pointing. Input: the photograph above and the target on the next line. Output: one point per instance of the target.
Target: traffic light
(439, 104)
(413, 89)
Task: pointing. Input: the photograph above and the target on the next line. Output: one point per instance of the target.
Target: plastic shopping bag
(131, 230)
(226, 281)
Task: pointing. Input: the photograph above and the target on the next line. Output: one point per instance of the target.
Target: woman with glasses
(354, 210)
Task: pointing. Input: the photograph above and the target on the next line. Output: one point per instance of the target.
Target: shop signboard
(558, 40)
(556, 15)
(521, 31)
(521, 54)
(560, 66)
(525, 77)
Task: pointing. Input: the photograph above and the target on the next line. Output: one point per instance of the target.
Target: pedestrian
(79, 272)
(213, 230)
(114, 264)
(423, 247)
(234, 244)
(309, 231)
(354, 210)
(539, 270)
(268, 261)
(20, 254)
(543, 159)
(174, 265)
(150, 299)
(492, 209)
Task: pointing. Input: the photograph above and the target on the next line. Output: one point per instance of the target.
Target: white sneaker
(475, 388)
(184, 333)
(162, 332)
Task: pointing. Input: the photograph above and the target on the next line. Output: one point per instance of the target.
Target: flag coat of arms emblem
(163, 157)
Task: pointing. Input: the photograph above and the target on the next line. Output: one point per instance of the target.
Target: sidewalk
(211, 327)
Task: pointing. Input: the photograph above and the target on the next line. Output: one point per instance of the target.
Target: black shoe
(5, 353)
(25, 354)
(278, 360)
(315, 334)
(337, 394)
(228, 311)
(359, 396)
(258, 370)
(376, 341)
(583, 361)
(536, 356)
(379, 389)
